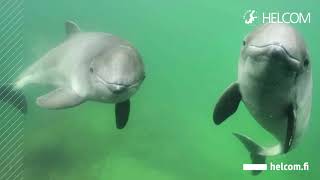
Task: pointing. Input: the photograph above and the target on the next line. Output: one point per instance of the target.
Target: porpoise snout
(276, 52)
(117, 88)
(271, 50)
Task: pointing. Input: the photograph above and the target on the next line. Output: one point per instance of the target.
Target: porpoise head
(274, 52)
(116, 74)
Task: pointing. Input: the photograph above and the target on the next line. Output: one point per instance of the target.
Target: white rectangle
(249, 167)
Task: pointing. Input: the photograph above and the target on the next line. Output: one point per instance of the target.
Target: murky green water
(190, 50)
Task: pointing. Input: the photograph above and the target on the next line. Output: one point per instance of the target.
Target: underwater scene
(186, 53)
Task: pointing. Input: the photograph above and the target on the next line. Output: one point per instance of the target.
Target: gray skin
(87, 66)
(275, 84)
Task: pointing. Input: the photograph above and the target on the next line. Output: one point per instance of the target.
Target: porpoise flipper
(227, 104)
(254, 150)
(290, 128)
(59, 98)
(122, 111)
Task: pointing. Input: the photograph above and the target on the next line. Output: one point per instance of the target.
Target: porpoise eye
(244, 42)
(306, 62)
(91, 70)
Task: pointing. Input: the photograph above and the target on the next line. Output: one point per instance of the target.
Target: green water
(190, 50)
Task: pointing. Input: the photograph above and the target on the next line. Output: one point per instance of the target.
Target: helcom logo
(253, 16)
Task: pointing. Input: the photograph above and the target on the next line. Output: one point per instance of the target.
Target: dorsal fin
(71, 28)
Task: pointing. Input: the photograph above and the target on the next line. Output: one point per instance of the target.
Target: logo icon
(249, 16)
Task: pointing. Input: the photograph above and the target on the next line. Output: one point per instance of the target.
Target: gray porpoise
(275, 84)
(87, 66)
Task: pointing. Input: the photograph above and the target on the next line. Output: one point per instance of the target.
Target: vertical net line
(11, 65)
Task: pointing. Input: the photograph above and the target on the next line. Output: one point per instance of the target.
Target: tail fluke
(15, 97)
(254, 150)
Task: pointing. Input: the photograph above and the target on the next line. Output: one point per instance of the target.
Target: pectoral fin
(59, 98)
(227, 104)
(290, 128)
(122, 113)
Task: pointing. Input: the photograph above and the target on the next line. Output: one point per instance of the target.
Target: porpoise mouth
(118, 88)
(276, 50)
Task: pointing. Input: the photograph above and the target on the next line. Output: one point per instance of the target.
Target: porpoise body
(275, 84)
(87, 66)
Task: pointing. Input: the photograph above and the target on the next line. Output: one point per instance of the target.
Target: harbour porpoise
(275, 85)
(87, 66)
